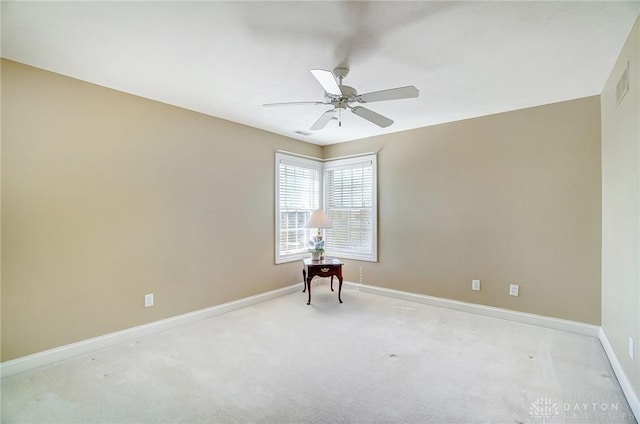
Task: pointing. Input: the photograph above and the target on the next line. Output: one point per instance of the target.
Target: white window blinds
(297, 195)
(350, 204)
(345, 188)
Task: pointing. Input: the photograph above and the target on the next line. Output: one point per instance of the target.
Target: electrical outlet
(148, 300)
(631, 348)
(514, 290)
(475, 284)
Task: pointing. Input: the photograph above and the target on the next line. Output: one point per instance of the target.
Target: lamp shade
(318, 219)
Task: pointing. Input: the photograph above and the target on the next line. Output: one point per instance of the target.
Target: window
(297, 195)
(345, 188)
(350, 204)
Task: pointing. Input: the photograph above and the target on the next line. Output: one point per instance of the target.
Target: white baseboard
(630, 394)
(533, 319)
(50, 356)
(523, 317)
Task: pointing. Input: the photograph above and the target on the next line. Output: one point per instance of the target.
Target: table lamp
(319, 220)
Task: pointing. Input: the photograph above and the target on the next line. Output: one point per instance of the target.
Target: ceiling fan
(342, 96)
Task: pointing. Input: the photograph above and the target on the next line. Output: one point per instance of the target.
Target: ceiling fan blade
(391, 94)
(322, 121)
(371, 116)
(293, 104)
(327, 81)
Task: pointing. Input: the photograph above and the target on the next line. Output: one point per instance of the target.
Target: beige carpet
(369, 360)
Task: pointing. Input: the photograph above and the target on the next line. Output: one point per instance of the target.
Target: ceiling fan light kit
(341, 96)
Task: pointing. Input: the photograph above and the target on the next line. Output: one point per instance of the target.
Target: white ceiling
(226, 59)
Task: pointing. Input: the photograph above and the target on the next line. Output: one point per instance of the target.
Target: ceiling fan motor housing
(349, 95)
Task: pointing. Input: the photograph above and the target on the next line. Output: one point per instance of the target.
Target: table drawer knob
(324, 269)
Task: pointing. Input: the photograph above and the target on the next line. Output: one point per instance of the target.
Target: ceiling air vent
(623, 85)
(300, 132)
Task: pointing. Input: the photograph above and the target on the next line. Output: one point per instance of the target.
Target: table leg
(309, 290)
(304, 280)
(340, 288)
(332, 283)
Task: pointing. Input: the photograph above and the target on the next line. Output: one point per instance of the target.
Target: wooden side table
(327, 267)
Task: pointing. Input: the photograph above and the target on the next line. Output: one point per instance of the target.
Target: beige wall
(108, 196)
(621, 210)
(508, 198)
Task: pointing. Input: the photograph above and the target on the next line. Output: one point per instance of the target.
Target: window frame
(293, 160)
(346, 163)
(322, 166)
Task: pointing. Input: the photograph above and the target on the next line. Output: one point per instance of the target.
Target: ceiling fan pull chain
(340, 116)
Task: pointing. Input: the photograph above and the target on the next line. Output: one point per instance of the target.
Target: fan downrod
(341, 73)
